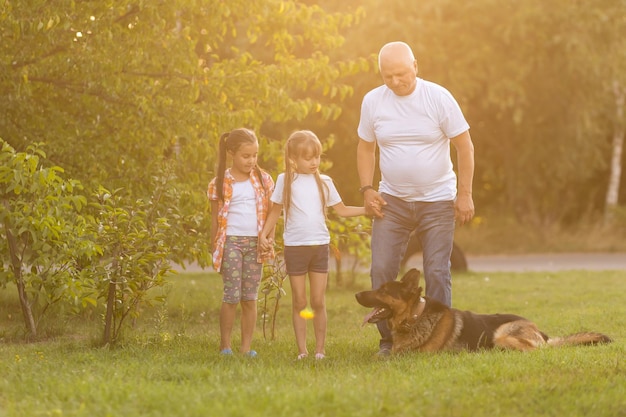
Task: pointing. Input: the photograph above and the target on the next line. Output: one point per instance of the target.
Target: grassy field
(169, 365)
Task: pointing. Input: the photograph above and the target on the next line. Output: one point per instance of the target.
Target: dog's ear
(411, 280)
(411, 277)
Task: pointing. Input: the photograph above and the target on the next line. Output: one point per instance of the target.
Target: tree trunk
(612, 195)
(16, 264)
(108, 322)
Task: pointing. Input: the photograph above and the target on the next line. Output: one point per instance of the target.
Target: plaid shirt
(263, 193)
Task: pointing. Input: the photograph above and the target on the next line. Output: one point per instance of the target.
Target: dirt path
(521, 263)
(548, 262)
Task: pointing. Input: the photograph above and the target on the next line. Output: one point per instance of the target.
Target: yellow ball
(307, 314)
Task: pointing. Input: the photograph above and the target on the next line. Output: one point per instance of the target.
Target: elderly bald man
(412, 122)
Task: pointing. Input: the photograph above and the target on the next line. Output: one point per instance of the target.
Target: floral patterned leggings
(240, 270)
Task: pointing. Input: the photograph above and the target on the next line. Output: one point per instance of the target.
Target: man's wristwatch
(365, 188)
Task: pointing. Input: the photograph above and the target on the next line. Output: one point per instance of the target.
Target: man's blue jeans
(434, 224)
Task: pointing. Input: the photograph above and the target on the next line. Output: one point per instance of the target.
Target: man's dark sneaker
(384, 352)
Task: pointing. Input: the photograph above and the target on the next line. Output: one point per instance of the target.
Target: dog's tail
(580, 339)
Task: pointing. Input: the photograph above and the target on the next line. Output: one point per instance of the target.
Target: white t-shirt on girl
(306, 223)
(242, 211)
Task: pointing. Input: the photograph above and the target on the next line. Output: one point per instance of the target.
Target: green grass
(169, 364)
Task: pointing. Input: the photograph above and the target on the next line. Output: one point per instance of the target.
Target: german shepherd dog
(421, 324)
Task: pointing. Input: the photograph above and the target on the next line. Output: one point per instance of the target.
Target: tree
(125, 91)
(535, 82)
(612, 194)
(132, 96)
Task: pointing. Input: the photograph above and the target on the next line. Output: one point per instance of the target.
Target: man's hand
(464, 209)
(374, 203)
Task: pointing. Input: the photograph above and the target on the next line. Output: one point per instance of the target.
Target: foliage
(132, 96)
(57, 246)
(144, 123)
(534, 80)
(123, 91)
(43, 235)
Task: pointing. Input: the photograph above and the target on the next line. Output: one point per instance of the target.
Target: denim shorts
(302, 259)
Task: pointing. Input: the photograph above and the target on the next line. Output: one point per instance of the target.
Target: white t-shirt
(306, 223)
(242, 219)
(413, 135)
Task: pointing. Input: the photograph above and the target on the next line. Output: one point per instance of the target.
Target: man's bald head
(395, 52)
(398, 68)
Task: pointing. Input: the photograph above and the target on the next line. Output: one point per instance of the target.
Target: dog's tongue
(369, 315)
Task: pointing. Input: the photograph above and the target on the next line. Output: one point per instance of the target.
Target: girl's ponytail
(221, 165)
(259, 173)
(289, 177)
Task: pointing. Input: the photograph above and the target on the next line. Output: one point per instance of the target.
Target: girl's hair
(232, 141)
(302, 143)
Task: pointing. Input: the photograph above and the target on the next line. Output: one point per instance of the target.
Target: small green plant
(272, 288)
(135, 258)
